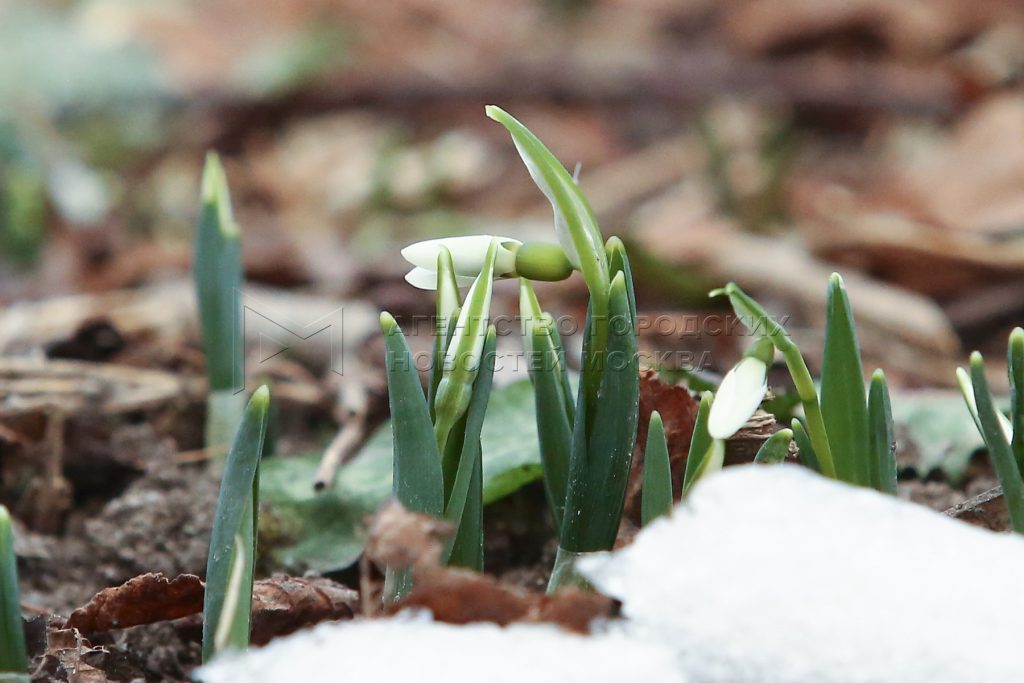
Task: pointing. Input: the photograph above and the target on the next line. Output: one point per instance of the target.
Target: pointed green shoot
(757, 319)
(1015, 366)
(775, 449)
(881, 436)
(462, 359)
(575, 225)
(417, 480)
(13, 656)
(656, 495)
(227, 606)
(552, 398)
(603, 437)
(843, 399)
(464, 508)
(998, 446)
(700, 443)
(218, 280)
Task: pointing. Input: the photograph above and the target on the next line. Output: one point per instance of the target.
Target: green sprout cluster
(847, 431)
(1003, 438)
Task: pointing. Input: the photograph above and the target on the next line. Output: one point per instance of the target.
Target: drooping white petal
(467, 252)
(738, 396)
(422, 278)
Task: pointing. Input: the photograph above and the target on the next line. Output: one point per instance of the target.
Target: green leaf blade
(700, 443)
(998, 446)
(233, 539)
(13, 655)
(882, 436)
(464, 509)
(218, 279)
(656, 494)
(843, 399)
(417, 480)
(1015, 365)
(603, 437)
(775, 449)
(548, 375)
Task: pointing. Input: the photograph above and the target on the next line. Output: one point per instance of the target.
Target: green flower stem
(998, 446)
(756, 318)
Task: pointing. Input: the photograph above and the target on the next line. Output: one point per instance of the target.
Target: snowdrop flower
(741, 391)
(468, 254)
(535, 261)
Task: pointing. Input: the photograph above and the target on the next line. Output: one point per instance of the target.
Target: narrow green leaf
(882, 436)
(1015, 366)
(843, 399)
(417, 480)
(228, 602)
(618, 262)
(575, 225)
(998, 446)
(218, 278)
(464, 508)
(656, 495)
(755, 317)
(603, 437)
(775, 449)
(462, 359)
(13, 657)
(805, 450)
(546, 366)
(700, 442)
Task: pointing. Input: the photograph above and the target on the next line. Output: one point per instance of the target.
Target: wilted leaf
(320, 531)
(457, 596)
(284, 604)
(142, 600)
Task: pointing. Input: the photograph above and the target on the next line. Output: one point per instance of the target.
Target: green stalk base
(565, 574)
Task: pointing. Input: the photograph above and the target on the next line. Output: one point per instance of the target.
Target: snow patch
(415, 648)
(772, 574)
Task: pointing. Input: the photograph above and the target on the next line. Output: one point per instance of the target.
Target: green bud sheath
(542, 262)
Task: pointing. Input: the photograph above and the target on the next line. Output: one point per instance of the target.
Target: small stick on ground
(340, 450)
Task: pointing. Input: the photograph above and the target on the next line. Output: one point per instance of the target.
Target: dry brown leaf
(458, 596)
(399, 538)
(142, 600)
(284, 604)
(281, 604)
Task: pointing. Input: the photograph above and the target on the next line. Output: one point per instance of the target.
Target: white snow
(413, 648)
(772, 574)
(768, 574)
